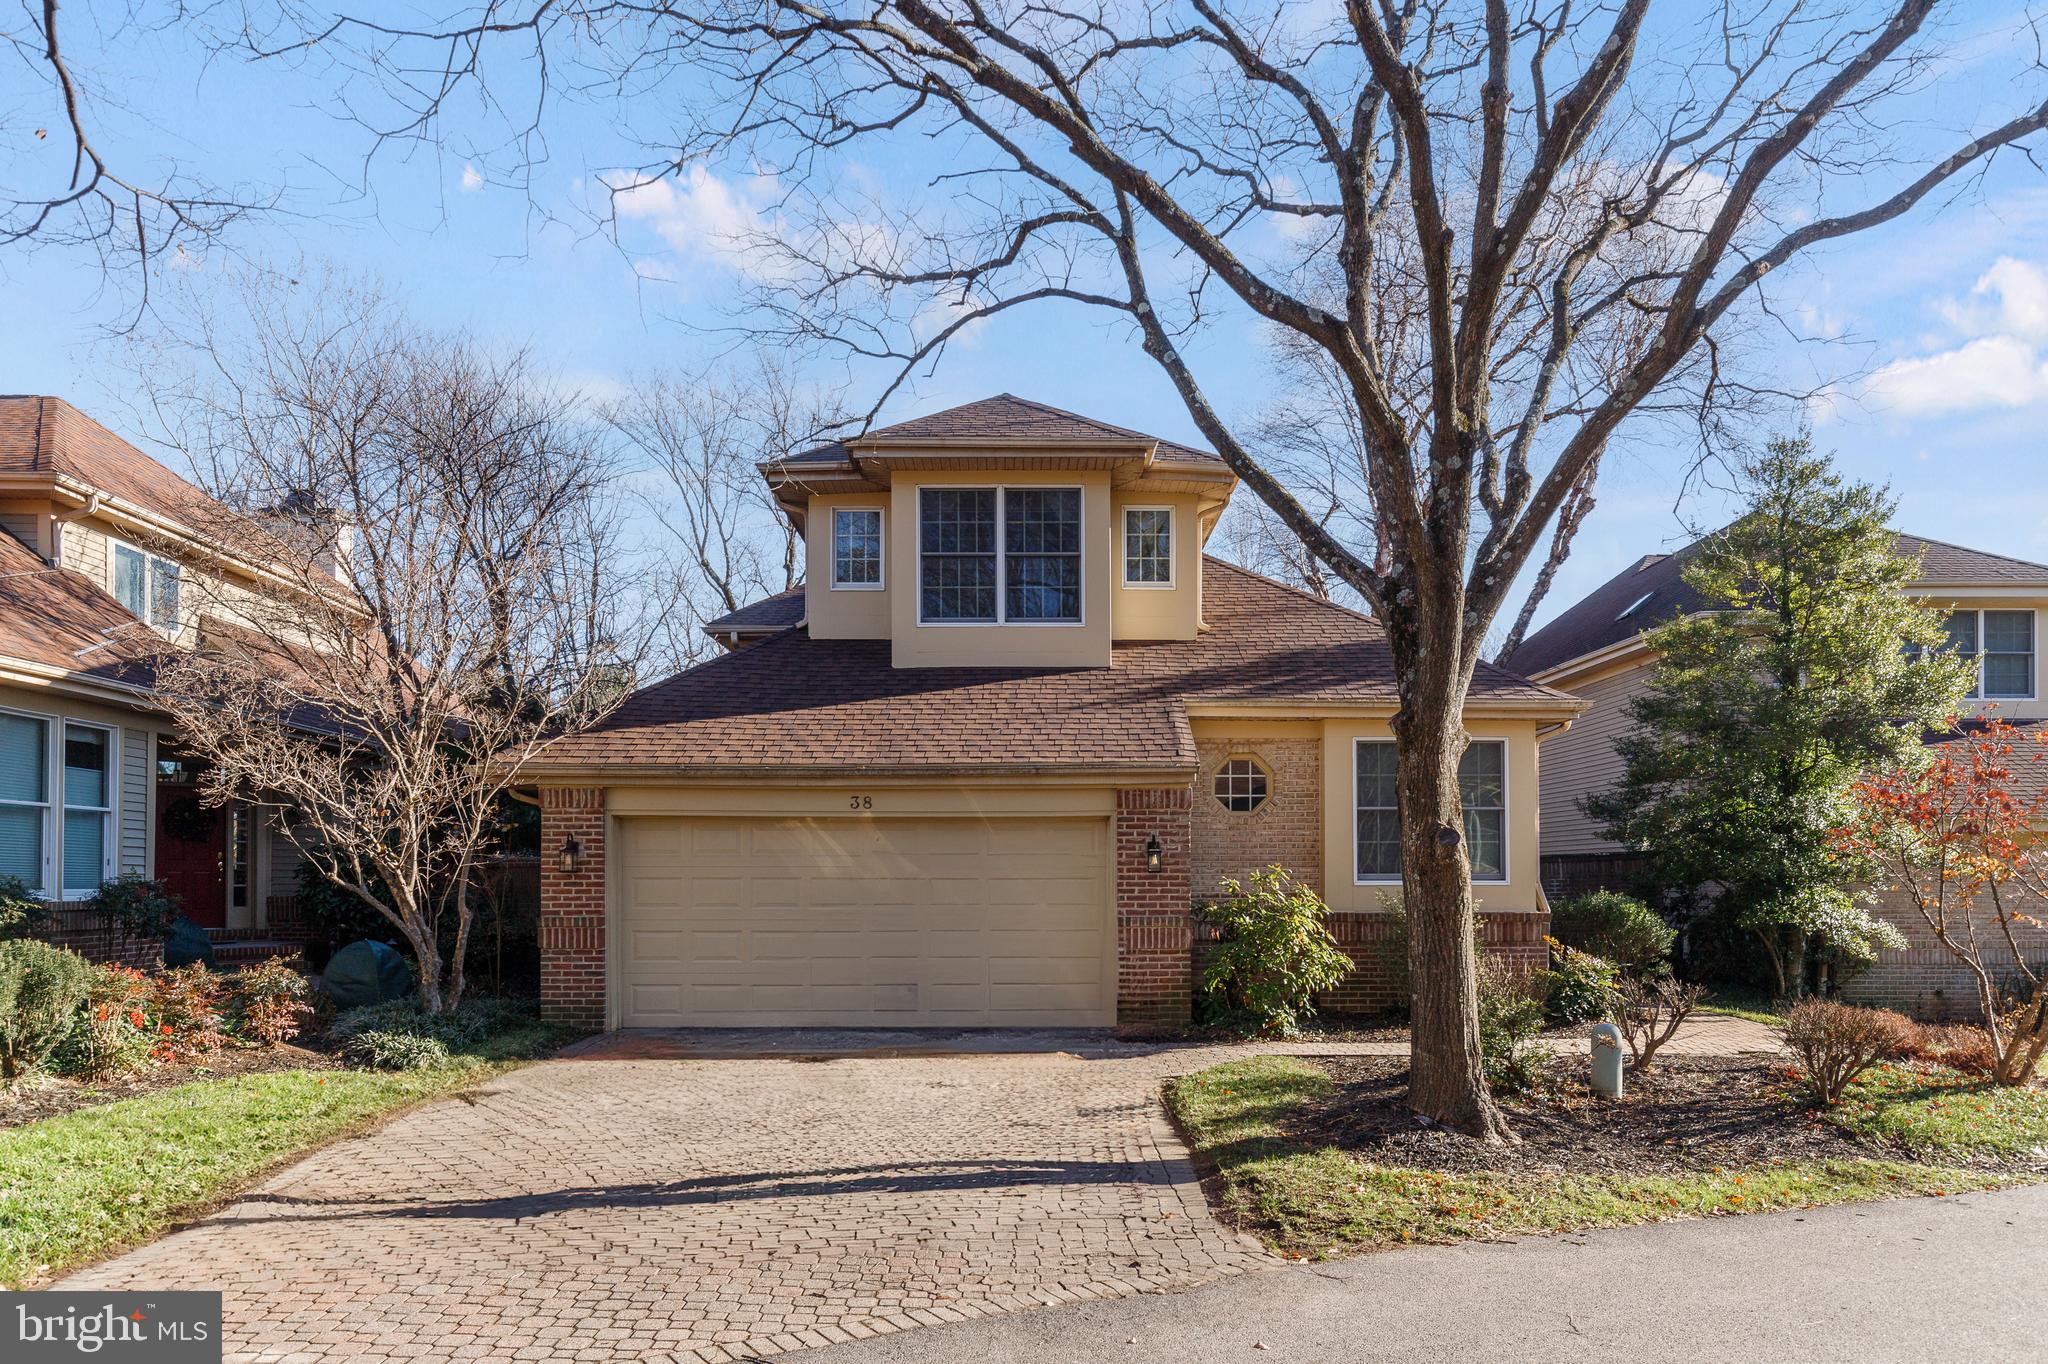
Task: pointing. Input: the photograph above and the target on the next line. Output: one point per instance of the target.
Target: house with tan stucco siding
(981, 767)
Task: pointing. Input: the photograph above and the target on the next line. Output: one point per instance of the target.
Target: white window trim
(1977, 692)
(110, 832)
(1506, 821)
(1002, 556)
(881, 546)
(149, 563)
(52, 873)
(1123, 549)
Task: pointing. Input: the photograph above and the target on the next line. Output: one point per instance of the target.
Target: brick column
(572, 908)
(1154, 929)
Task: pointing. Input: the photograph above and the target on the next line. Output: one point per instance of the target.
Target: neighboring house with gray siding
(1595, 650)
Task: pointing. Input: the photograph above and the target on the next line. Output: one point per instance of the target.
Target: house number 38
(860, 802)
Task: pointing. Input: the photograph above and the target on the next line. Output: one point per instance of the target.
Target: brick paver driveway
(603, 1208)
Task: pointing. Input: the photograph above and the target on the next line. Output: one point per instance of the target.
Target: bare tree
(432, 599)
(65, 187)
(1505, 227)
(704, 439)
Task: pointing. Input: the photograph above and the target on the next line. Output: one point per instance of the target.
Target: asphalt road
(1947, 1279)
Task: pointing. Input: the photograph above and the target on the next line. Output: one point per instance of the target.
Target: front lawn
(1320, 1163)
(76, 1188)
(1936, 1113)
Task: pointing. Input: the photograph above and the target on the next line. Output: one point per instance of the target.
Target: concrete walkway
(1881, 1283)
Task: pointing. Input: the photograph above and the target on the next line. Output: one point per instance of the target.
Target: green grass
(76, 1188)
(1942, 1114)
(1321, 1201)
(1738, 1002)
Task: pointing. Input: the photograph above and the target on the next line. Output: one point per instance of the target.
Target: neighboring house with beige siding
(981, 768)
(1596, 651)
(107, 557)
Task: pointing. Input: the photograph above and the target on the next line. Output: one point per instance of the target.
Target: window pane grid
(1148, 545)
(957, 565)
(857, 547)
(1240, 785)
(2008, 653)
(959, 547)
(1482, 791)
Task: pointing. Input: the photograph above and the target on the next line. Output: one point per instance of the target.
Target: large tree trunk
(1446, 1079)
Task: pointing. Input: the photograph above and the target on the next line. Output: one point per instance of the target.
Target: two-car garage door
(731, 922)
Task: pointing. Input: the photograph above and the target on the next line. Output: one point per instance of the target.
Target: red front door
(191, 853)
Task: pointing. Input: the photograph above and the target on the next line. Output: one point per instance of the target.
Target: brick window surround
(572, 908)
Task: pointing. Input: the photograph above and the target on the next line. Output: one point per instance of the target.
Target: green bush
(1618, 927)
(1579, 987)
(142, 907)
(1510, 1019)
(22, 912)
(112, 1034)
(1276, 954)
(380, 1050)
(473, 1023)
(41, 988)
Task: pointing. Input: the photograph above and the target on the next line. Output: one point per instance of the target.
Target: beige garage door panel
(737, 922)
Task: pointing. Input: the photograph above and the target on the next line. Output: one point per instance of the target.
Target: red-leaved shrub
(1835, 1043)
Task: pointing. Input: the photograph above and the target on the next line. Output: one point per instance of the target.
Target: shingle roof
(794, 702)
(778, 612)
(54, 618)
(49, 435)
(1653, 590)
(1003, 418)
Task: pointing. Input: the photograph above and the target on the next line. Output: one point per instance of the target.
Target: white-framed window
(999, 556)
(149, 585)
(857, 548)
(25, 798)
(1148, 547)
(2002, 642)
(88, 807)
(1242, 785)
(1482, 790)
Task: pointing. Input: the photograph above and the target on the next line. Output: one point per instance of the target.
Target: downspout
(60, 519)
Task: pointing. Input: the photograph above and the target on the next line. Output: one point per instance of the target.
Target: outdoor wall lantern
(1155, 858)
(571, 854)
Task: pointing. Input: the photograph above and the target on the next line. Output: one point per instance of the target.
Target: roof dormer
(1004, 533)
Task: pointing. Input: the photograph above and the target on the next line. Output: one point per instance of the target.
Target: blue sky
(1945, 314)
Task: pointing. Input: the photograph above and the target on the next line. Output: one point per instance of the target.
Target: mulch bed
(1687, 1113)
(49, 1096)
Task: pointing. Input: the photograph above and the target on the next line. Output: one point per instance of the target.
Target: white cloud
(2000, 363)
(702, 215)
(472, 181)
(2009, 299)
(1989, 372)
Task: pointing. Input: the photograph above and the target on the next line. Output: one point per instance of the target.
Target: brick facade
(1287, 829)
(1159, 945)
(1925, 980)
(1154, 925)
(1378, 980)
(101, 938)
(572, 908)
